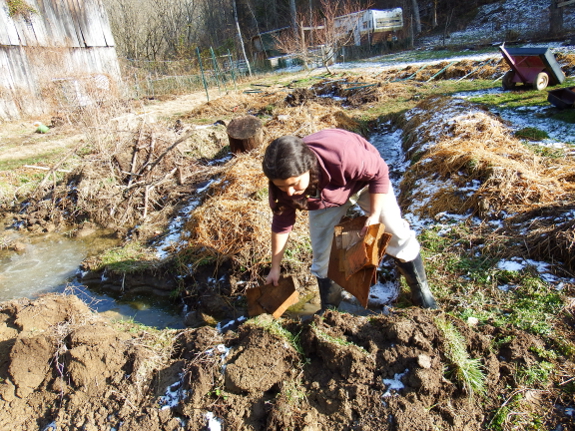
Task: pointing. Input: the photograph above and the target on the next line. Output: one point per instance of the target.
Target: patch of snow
(499, 20)
(223, 351)
(394, 384)
(543, 269)
(389, 146)
(174, 394)
(381, 294)
(510, 265)
(221, 327)
(214, 423)
(174, 237)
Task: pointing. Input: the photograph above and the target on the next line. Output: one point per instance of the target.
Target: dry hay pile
(567, 62)
(469, 162)
(472, 69)
(236, 103)
(306, 119)
(234, 222)
(133, 178)
(351, 93)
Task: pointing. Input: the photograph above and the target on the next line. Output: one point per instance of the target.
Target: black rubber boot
(414, 274)
(329, 293)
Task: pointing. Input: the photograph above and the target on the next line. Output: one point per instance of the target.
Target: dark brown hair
(288, 157)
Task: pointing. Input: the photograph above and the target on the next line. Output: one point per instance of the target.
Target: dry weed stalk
(134, 177)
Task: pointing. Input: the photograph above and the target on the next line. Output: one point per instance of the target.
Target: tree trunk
(241, 38)
(417, 20)
(245, 134)
(293, 13)
(555, 18)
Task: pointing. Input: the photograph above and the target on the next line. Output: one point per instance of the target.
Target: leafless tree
(328, 31)
(416, 19)
(165, 29)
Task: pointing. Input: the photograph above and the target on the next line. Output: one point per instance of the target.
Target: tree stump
(245, 134)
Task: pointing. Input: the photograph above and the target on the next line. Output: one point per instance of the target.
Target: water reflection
(157, 312)
(51, 264)
(39, 268)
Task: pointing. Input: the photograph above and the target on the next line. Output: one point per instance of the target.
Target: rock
(424, 361)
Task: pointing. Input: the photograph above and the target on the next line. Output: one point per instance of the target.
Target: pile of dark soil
(72, 370)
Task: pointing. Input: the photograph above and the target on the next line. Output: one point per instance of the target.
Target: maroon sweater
(347, 163)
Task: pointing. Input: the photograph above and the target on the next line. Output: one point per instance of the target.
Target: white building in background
(365, 24)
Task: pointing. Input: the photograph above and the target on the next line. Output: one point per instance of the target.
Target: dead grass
(514, 183)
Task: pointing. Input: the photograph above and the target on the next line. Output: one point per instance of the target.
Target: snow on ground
(173, 395)
(560, 132)
(394, 384)
(519, 118)
(176, 237)
(499, 21)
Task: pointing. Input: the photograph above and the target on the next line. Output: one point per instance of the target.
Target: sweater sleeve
(283, 223)
(283, 215)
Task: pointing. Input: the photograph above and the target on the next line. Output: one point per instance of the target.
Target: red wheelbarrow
(535, 66)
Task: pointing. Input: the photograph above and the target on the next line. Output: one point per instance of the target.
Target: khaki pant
(403, 245)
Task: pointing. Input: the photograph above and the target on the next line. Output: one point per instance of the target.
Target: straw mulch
(233, 224)
(481, 169)
(470, 69)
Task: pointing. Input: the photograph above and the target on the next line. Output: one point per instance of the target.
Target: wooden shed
(54, 54)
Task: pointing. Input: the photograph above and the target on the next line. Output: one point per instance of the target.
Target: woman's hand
(279, 241)
(273, 277)
(376, 206)
(372, 219)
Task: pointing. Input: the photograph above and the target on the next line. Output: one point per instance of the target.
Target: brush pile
(131, 178)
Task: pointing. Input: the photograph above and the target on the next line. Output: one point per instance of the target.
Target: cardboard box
(274, 300)
(354, 259)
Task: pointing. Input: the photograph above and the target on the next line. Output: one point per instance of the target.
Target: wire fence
(151, 79)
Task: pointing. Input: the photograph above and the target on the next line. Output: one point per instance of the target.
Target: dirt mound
(336, 372)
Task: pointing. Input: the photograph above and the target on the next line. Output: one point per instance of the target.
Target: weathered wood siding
(67, 40)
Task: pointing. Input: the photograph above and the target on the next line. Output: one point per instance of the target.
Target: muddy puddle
(52, 263)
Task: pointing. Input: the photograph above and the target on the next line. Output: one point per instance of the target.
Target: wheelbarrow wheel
(541, 81)
(507, 81)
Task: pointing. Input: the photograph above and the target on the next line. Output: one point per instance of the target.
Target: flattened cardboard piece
(358, 284)
(354, 259)
(355, 269)
(271, 299)
(364, 253)
(254, 307)
(346, 235)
